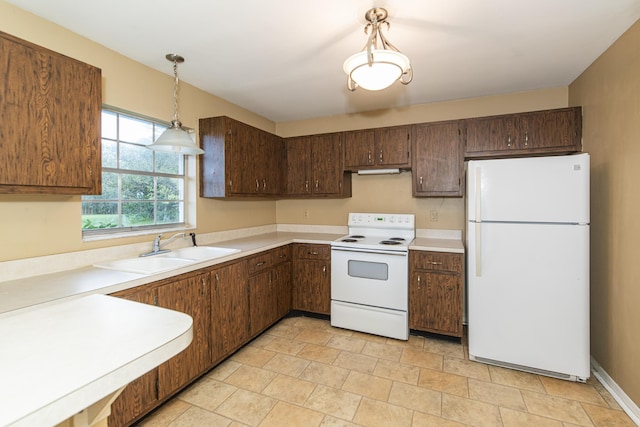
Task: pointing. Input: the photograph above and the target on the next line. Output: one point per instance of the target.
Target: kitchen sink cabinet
(50, 134)
(229, 309)
(312, 278)
(557, 131)
(239, 160)
(315, 167)
(438, 162)
(378, 148)
(435, 292)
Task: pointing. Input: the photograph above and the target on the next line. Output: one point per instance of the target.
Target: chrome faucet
(157, 244)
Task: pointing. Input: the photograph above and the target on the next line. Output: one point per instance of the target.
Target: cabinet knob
(260, 264)
(369, 157)
(264, 185)
(419, 282)
(509, 141)
(317, 185)
(526, 138)
(420, 182)
(306, 186)
(257, 186)
(324, 269)
(380, 157)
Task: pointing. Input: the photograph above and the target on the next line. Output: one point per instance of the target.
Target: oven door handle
(370, 251)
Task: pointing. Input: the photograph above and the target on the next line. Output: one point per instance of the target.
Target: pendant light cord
(175, 91)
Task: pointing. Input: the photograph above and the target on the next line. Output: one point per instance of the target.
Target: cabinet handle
(324, 269)
(230, 184)
(420, 182)
(312, 253)
(217, 280)
(260, 264)
(257, 186)
(509, 141)
(264, 185)
(435, 263)
(317, 185)
(380, 157)
(419, 282)
(526, 138)
(306, 186)
(369, 157)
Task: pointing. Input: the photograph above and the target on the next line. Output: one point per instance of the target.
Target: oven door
(374, 278)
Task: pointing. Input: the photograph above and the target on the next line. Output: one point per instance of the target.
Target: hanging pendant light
(175, 139)
(377, 68)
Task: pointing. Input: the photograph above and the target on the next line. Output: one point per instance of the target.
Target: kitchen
(47, 225)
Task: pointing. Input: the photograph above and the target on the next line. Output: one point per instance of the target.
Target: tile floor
(303, 372)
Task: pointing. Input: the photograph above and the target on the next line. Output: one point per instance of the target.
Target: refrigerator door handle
(478, 196)
(478, 252)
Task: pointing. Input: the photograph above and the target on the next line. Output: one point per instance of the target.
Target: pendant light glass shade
(175, 139)
(376, 68)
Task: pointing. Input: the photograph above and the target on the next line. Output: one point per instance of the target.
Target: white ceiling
(283, 59)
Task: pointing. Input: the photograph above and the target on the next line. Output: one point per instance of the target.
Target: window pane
(137, 213)
(109, 188)
(169, 163)
(169, 212)
(170, 188)
(137, 187)
(109, 154)
(98, 215)
(109, 125)
(136, 131)
(136, 158)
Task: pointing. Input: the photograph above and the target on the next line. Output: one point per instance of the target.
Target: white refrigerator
(528, 264)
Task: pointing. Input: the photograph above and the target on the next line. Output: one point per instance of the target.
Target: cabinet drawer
(280, 255)
(437, 261)
(258, 263)
(307, 251)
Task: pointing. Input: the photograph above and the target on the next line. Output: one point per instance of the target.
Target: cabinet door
(327, 164)
(272, 168)
(190, 295)
(487, 134)
(359, 149)
(141, 394)
(229, 310)
(298, 180)
(438, 163)
(553, 130)
(50, 134)
(281, 277)
(393, 147)
(435, 302)
(263, 302)
(312, 286)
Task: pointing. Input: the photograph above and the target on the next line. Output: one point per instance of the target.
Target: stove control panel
(389, 221)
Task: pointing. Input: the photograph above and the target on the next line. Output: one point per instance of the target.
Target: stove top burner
(356, 236)
(399, 239)
(390, 242)
(349, 240)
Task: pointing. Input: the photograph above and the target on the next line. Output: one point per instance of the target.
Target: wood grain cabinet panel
(312, 278)
(378, 148)
(438, 162)
(50, 106)
(435, 292)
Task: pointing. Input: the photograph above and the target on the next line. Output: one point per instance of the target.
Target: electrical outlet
(434, 215)
(305, 214)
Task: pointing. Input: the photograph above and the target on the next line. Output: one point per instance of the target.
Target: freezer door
(528, 288)
(533, 189)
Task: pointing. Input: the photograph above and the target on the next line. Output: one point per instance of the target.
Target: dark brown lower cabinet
(435, 292)
(312, 278)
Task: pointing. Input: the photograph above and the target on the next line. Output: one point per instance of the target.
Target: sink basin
(201, 253)
(146, 265)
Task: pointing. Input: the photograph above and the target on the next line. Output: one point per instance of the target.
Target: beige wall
(609, 91)
(42, 225)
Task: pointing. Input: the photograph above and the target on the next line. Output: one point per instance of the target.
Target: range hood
(378, 171)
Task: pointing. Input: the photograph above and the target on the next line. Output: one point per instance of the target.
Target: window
(141, 188)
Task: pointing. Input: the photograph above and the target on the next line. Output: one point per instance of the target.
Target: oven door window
(368, 270)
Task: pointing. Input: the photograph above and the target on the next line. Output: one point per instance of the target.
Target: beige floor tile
(287, 346)
(311, 323)
(207, 393)
(356, 362)
(397, 371)
(339, 331)
(467, 368)
(285, 414)
(246, 407)
(496, 394)
(342, 342)
(292, 390)
(555, 407)
(416, 398)
(442, 381)
(223, 370)
(606, 417)
(262, 340)
(382, 351)
(330, 421)
(339, 403)
(314, 336)
(237, 424)
(368, 385)
(444, 347)
(332, 376)
(607, 397)
(511, 418)
(518, 379)
(427, 420)
(319, 353)
(165, 414)
(283, 330)
(251, 378)
(253, 356)
(572, 390)
(369, 337)
(421, 358)
(195, 416)
(373, 413)
(414, 341)
(285, 364)
(470, 412)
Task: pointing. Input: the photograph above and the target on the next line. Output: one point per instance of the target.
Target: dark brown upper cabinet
(379, 148)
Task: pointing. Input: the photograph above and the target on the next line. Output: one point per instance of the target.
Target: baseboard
(617, 393)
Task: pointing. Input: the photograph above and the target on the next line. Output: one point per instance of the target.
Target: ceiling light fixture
(374, 68)
(175, 139)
